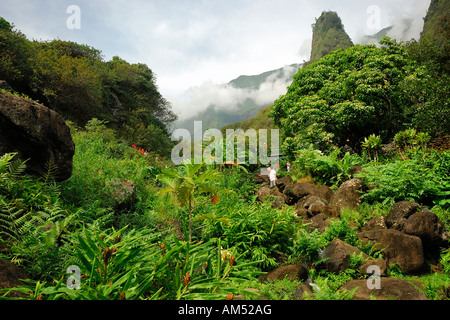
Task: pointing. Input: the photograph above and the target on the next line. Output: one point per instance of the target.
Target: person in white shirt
(272, 177)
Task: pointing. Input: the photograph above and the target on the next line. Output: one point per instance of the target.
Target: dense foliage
(350, 94)
(75, 81)
(199, 231)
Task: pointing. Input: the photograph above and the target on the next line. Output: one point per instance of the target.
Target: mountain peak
(328, 35)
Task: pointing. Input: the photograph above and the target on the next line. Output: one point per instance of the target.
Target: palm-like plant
(188, 183)
(373, 145)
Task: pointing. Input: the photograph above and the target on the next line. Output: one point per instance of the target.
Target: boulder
(355, 170)
(277, 202)
(430, 229)
(276, 198)
(348, 194)
(300, 189)
(263, 192)
(399, 212)
(36, 134)
(283, 183)
(338, 255)
(303, 189)
(326, 210)
(389, 289)
(260, 178)
(319, 222)
(309, 201)
(124, 194)
(303, 213)
(396, 247)
(303, 290)
(375, 224)
(292, 271)
(11, 276)
(367, 267)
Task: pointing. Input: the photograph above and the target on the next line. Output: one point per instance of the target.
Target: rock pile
(410, 236)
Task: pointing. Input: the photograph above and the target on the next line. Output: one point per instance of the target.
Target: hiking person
(272, 177)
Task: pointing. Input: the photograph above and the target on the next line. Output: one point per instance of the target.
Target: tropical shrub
(325, 169)
(132, 265)
(410, 139)
(372, 145)
(260, 232)
(350, 94)
(401, 180)
(187, 184)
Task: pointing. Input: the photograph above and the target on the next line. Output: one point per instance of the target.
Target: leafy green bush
(257, 230)
(32, 218)
(325, 169)
(308, 245)
(346, 96)
(139, 264)
(411, 139)
(372, 145)
(99, 158)
(401, 180)
(327, 287)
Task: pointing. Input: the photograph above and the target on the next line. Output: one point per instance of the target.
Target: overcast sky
(190, 43)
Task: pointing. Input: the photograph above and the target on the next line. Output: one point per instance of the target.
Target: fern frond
(10, 219)
(51, 171)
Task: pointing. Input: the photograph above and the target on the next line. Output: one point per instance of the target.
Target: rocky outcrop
(431, 230)
(348, 195)
(36, 134)
(409, 237)
(292, 271)
(396, 247)
(389, 289)
(399, 212)
(337, 255)
(328, 35)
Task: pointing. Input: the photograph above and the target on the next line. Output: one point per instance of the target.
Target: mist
(228, 97)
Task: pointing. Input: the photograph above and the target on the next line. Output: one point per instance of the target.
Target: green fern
(10, 219)
(51, 171)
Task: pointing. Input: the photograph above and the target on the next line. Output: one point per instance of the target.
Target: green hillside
(436, 22)
(74, 80)
(328, 35)
(216, 116)
(261, 120)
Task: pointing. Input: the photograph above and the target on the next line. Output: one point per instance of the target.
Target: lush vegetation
(201, 227)
(75, 81)
(363, 90)
(198, 231)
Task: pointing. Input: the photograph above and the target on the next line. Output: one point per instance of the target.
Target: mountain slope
(328, 35)
(249, 90)
(436, 22)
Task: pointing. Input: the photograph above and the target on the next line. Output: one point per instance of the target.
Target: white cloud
(403, 30)
(226, 96)
(201, 43)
